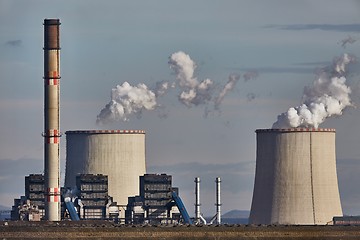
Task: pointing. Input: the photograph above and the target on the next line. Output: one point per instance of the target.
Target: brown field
(109, 230)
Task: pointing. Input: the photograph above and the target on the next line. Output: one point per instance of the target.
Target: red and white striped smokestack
(51, 118)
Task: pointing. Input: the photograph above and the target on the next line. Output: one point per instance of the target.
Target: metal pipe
(218, 201)
(197, 199)
(51, 118)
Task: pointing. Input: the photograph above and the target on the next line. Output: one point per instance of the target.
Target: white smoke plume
(184, 68)
(233, 79)
(193, 92)
(327, 96)
(125, 101)
(161, 88)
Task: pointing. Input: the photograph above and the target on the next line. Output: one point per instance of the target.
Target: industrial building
(31, 206)
(296, 179)
(92, 198)
(35, 191)
(156, 202)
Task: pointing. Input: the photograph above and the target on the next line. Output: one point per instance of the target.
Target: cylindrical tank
(295, 179)
(119, 154)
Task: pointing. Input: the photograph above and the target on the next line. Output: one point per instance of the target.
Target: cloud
(312, 63)
(14, 43)
(323, 27)
(297, 68)
(262, 70)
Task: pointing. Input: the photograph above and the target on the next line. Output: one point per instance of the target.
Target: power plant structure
(199, 218)
(119, 154)
(218, 200)
(158, 202)
(51, 132)
(197, 200)
(296, 179)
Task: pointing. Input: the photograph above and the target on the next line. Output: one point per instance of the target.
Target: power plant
(106, 177)
(51, 117)
(119, 154)
(295, 180)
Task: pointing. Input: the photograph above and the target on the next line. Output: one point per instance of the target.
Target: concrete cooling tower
(119, 154)
(295, 180)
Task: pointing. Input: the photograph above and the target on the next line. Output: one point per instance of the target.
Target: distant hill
(236, 214)
(236, 217)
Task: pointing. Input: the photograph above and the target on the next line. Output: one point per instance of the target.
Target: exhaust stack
(218, 201)
(51, 132)
(198, 216)
(217, 216)
(197, 199)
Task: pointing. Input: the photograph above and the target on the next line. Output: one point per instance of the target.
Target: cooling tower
(295, 180)
(119, 154)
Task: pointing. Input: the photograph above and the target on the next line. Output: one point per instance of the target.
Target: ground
(109, 230)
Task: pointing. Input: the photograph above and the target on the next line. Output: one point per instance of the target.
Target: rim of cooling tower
(106, 132)
(286, 130)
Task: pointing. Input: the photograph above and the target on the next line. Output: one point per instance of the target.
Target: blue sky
(105, 43)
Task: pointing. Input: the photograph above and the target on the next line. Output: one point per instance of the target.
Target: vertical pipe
(218, 201)
(51, 118)
(197, 199)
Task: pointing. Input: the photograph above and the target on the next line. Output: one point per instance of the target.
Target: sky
(282, 45)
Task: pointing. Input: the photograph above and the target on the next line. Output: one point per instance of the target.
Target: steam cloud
(193, 92)
(127, 100)
(327, 96)
(233, 79)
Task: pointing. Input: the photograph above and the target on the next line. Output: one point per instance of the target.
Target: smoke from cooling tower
(162, 87)
(328, 96)
(125, 101)
(193, 92)
(233, 79)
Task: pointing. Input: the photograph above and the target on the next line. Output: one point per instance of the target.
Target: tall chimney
(51, 118)
(218, 201)
(197, 199)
